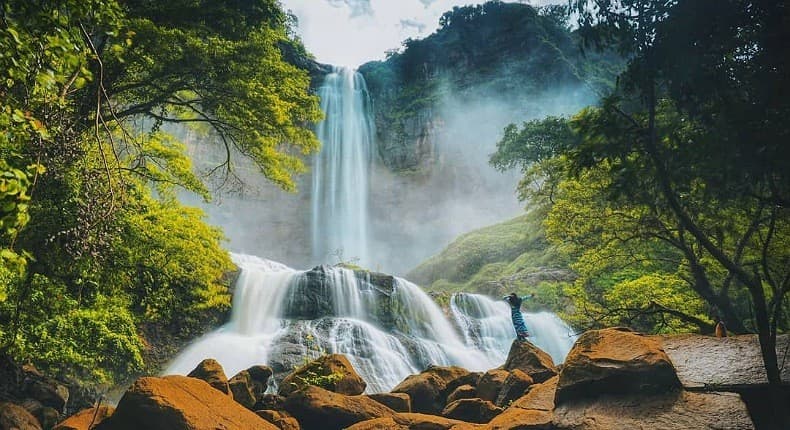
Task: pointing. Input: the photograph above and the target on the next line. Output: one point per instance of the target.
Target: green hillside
(510, 256)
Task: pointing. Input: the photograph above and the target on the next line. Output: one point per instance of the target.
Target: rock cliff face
(497, 53)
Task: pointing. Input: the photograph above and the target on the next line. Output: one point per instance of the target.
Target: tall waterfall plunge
(340, 170)
(386, 326)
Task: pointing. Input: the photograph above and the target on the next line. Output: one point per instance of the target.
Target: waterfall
(387, 329)
(486, 325)
(341, 169)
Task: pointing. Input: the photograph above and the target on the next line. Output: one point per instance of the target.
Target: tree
(96, 245)
(694, 139)
(718, 65)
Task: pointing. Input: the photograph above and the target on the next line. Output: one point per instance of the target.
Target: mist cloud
(357, 7)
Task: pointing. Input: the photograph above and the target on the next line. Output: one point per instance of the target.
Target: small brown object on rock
(721, 329)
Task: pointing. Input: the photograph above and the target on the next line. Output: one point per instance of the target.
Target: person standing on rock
(515, 314)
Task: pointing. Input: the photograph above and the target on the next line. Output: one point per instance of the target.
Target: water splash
(341, 169)
(487, 326)
(281, 315)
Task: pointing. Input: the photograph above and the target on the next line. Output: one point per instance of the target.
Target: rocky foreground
(612, 379)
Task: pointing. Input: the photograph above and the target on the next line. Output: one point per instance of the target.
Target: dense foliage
(93, 243)
(671, 196)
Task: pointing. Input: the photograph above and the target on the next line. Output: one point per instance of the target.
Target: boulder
(615, 361)
(211, 371)
(86, 419)
(515, 385)
(412, 421)
(46, 390)
(310, 298)
(335, 370)
(259, 377)
(472, 410)
(670, 411)
(721, 364)
(45, 415)
(489, 385)
(531, 360)
(242, 389)
(398, 402)
(463, 392)
(315, 407)
(272, 402)
(429, 390)
(15, 417)
(179, 403)
(282, 420)
(531, 411)
(387, 423)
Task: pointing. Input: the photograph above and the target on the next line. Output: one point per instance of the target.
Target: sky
(353, 32)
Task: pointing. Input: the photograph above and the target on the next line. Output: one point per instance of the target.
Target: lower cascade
(388, 327)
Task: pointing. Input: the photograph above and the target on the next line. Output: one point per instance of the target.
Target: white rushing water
(281, 315)
(486, 325)
(341, 169)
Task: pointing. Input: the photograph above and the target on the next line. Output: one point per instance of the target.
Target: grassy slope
(495, 260)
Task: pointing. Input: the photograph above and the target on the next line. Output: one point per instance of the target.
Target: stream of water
(339, 199)
(280, 315)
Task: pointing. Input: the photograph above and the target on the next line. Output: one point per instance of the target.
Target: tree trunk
(766, 335)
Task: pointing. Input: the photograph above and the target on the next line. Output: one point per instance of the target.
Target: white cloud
(352, 32)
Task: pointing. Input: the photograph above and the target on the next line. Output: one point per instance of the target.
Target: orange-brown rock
(349, 382)
(281, 420)
(531, 360)
(463, 392)
(490, 383)
(15, 417)
(242, 389)
(472, 410)
(317, 408)
(180, 403)
(412, 421)
(259, 376)
(531, 411)
(615, 361)
(272, 402)
(86, 419)
(398, 402)
(429, 390)
(515, 385)
(211, 371)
